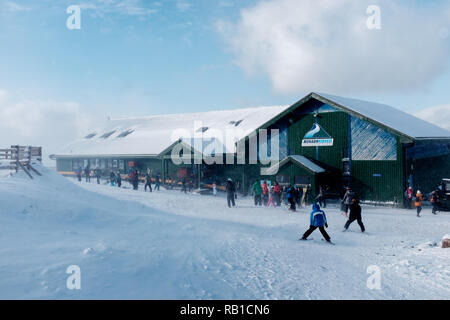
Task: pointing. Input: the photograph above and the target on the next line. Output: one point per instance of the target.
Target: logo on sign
(317, 137)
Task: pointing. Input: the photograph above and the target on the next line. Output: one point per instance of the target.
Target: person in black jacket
(355, 214)
(231, 189)
(148, 182)
(119, 179)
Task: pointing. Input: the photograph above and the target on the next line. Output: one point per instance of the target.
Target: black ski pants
(322, 230)
(230, 199)
(351, 220)
(258, 200)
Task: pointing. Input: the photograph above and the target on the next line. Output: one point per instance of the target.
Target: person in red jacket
(265, 190)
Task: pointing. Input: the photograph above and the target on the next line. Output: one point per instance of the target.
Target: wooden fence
(20, 158)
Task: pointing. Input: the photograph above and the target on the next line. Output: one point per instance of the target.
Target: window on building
(121, 164)
(115, 163)
(302, 180)
(202, 129)
(283, 179)
(102, 163)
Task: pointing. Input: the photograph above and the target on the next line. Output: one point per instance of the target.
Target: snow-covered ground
(168, 245)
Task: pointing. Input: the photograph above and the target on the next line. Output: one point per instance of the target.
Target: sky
(143, 57)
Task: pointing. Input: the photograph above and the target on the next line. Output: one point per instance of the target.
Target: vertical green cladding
(335, 124)
(379, 180)
(376, 180)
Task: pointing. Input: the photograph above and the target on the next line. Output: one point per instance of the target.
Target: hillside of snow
(169, 245)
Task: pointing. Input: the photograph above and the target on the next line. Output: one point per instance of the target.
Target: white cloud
(438, 115)
(49, 124)
(15, 7)
(325, 45)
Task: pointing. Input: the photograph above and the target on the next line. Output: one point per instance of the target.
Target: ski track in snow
(170, 245)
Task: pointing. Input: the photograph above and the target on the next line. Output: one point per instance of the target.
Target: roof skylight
(125, 133)
(108, 134)
(236, 123)
(90, 135)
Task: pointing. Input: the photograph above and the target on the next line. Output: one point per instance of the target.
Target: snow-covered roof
(388, 116)
(301, 160)
(153, 134)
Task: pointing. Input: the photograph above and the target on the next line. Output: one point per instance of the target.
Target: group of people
(115, 178)
(266, 195)
(417, 200)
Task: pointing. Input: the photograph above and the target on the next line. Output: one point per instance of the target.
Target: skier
(79, 172)
(265, 190)
(290, 197)
(271, 198)
(157, 181)
(296, 193)
(435, 201)
(214, 188)
(355, 214)
(148, 182)
(183, 185)
(257, 191)
(118, 179)
(409, 197)
(347, 200)
(318, 219)
(112, 178)
(87, 172)
(231, 189)
(136, 180)
(98, 174)
(418, 202)
(277, 194)
(131, 177)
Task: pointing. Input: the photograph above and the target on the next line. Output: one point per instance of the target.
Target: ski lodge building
(323, 140)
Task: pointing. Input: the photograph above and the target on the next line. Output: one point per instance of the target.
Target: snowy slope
(168, 245)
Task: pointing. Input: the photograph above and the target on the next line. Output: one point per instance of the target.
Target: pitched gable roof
(388, 116)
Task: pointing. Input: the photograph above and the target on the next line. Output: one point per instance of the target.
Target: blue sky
(134, 57)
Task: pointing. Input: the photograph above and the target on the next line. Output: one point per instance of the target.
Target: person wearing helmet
(418, 202)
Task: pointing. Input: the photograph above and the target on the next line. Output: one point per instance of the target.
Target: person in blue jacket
(318, 219)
